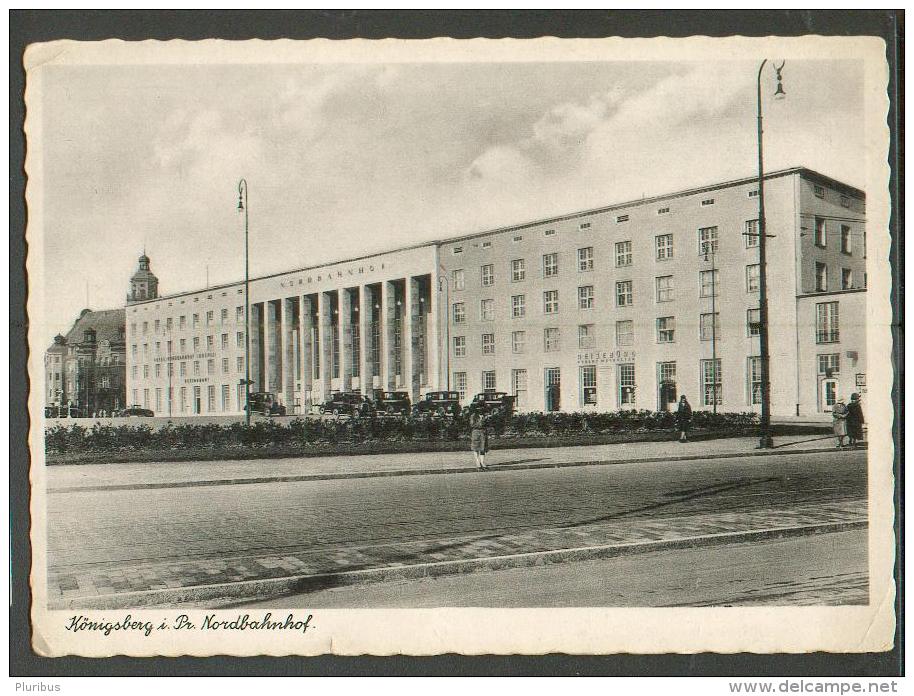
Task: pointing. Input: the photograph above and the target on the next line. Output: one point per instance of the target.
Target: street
(112, 540)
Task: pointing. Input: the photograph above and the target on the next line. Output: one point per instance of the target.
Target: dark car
(136, 412)
(347, 403)
(265, 404)
(441, 403)
(492, 403)
(396, 402)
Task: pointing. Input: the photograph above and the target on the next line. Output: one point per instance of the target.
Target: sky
(344, 160)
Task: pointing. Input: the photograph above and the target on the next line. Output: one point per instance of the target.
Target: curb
(300, 583)
(427, 471)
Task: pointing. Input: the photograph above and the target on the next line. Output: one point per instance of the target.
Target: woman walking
(683, 418)
(854, 421)
(479, 440)
(839, 421)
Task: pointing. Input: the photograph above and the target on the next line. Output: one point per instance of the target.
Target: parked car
(397, 402)
(265, 404)
(441, 403)
(347, 403)
(136, 412)
(491, 403)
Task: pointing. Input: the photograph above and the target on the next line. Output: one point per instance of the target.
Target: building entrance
(553, 389)
(667, 395)
(828, 394)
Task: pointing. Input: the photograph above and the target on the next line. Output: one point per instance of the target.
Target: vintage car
(396, 402)
(136, 411)
(491, 403)
(347, 403)
(265, 404)
(440, 403)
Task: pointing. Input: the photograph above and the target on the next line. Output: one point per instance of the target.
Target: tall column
(326, 348)
(435, 356)
(256, 349)
(366, 371)
(288, 354)
(345, 332)
(306, 326)
(388, 316)
(410, 340)
(272, 353)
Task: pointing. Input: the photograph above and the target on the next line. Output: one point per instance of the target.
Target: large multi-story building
(625, 306)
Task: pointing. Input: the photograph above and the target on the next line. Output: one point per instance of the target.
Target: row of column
(377, 336)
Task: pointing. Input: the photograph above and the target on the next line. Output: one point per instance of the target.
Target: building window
(625, 332)
(196, 340)
(827, 322)
(821, 277)
(584, 226)
(829, 363)
(458, 249)
(847, 279)
(196, 368)
(239, 364)
(624, 253)
(518, 306)
(487, 310)
(585, 336)
(709, 281)
(550, 265)
(239, 339)
(549, 233)
(623, 293)
(845, 239)
(551, 340)
(752, 278)
(707, 241)
(239, 313)
(711, 382)
(819, 191)
(663, 211)
(225, 397)
(820, 238)
(223, 314)
(487, 245)
(145, 398)
(225, 365)
(663, 244)
(751, 234)
(518, 341)
(622, 218)
(133, 371)
(753, 322)
(488, 380)
(224, 339)
(754, 378)
(183, 343)
(460, 312)
(459, 278)
(626, 384)
(210, 343)
(585, 297)
(551, 301)
(488, 344)
(132, 350)
(158, 370)
(182, 369)
(209, 318)
(664, 285)
(487, 273)
(585, 259)
(157, 325)
(845, 202)
(211, 398)
(666, 373)
(145, 327)
(518, 270)
(460, 346)
(666, 329)
(210, 366)
(517, 238)
(708, 201)
(519, 385)
(460, 384)
(753, 193)
(588, 379)
(196, 321)
(710, 326)
(145, 371)
(182, 405)
(182, 322)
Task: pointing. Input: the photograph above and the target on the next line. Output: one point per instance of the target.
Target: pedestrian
(854, 420)
(683, 418)
(839, 421)
(479, 440)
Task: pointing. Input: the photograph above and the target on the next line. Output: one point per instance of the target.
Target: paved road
(823, 569)
(123, 529)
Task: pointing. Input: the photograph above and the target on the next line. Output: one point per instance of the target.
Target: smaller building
(86, 370)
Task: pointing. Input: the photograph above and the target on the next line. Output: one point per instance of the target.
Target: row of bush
(299, 432)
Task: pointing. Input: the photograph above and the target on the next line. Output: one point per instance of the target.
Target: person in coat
(839, 421)
(479, 440)
(854, 421)
(683, 418)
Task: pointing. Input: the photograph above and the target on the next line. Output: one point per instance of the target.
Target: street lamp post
(765, 439)
(243, 206)
(443, 281)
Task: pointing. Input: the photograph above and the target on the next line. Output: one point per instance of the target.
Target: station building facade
(626, 306)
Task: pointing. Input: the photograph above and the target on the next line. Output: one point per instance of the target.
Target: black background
(32, 26)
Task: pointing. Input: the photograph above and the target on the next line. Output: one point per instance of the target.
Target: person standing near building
(839, 421)
(683, 418)
(854, 421)
(479, 440)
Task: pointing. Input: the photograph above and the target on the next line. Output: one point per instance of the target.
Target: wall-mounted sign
(330, 274)
(605, 357)
(861, 379)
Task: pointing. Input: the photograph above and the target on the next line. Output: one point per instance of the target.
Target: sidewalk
(77, 477)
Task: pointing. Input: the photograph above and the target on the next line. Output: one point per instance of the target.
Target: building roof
(107, 324)
(802, 171)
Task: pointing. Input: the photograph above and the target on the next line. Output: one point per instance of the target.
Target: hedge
(304, 432)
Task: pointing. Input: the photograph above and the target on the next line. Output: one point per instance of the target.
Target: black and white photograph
(404, 346)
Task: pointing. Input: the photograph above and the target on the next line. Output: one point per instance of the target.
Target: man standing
(854, 420)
